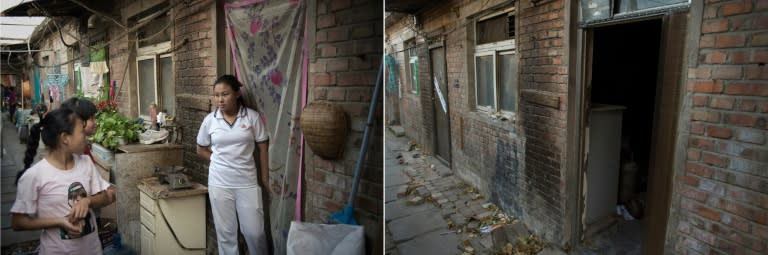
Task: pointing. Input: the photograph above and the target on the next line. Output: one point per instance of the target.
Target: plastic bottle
(117, 247)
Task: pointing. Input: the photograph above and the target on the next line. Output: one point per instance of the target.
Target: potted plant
(112, 127)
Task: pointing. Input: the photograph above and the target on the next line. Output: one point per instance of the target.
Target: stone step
(398, 131)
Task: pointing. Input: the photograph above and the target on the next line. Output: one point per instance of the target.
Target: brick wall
(516, 163)
(721, 195)
(409, 102)
(347, 58)
(543, 89)
(194, 73)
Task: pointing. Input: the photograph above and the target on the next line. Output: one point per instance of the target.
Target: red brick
(760, 231)
(719, 132)
(705, 116)
(708, 213)
(337, 94)
(762, 106)
(740, 23)
(328, 51)
(730, 41)
(359, 94)
(332, 206)
(707, 86)
(747, 105)
(760, 22)
(715, 57)
(338, 34)
(736, 8)
(760, 39)
(700, 100)
(749, 213)
(738, 57)
(707, 41)
(323, 79)
(756, 73)
(692, 193)
(327, 20)
(339, 4)
(362, 31)
(697, 128)
(694, 154)
(320, 93)
(699, 170)
(357, 78)
(710, 12)
(727, 72)
(747, 89)
(714, 160)
(736, 223)
(319, 188)
(761, 5)
(714, 26)
(760, 56)
(688, 180)
(337, 64)
(721, 103)
(699, 73)
(740, 120)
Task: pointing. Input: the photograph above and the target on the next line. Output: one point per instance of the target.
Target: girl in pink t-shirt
(56, 195)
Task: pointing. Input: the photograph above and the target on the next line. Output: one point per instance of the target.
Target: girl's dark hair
(58, 121)
(84, 108)
(233, 83)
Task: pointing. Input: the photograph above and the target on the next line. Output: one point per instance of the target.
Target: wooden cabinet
(172, 222)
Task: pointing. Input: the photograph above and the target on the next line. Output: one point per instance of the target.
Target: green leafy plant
(111, 125)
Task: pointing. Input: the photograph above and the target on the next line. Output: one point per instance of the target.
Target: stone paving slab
(390, 193)
(416, 224)
(439, 242)
(399, 208)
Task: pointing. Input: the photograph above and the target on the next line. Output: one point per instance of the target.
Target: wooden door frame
(669, 86)
(440, 44)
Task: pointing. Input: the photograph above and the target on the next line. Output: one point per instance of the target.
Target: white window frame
(154, 52)
(495, 49)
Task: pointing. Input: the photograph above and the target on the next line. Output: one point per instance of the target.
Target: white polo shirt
(232, 162)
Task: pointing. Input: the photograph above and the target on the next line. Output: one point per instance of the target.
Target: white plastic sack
(322, 239)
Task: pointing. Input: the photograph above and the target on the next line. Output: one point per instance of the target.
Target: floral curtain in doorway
(265, 40)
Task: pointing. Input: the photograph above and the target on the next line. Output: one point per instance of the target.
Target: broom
(347, 215)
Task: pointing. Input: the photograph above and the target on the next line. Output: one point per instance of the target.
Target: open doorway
(622, 101)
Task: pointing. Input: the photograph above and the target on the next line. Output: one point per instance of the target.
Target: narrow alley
(419, 188)
(12, 163)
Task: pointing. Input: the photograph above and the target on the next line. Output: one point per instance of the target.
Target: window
(496, 63)
(600, 10)
(155, 79)
(412, 68)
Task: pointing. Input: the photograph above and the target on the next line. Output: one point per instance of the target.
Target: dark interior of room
(624, 72)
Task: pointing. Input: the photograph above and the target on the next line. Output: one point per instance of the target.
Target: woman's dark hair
(233, 83)
(58, 121)
(84, 108)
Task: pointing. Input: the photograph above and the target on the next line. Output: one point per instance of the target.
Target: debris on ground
(530, 245)
(417, 155)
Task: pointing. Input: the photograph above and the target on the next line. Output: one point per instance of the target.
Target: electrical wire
(98, 13)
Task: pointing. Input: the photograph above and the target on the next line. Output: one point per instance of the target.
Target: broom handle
(366, 135)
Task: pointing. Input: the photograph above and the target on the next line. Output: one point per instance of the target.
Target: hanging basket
(325, 127)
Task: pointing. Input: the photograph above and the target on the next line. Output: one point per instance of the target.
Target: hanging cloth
(265, 38)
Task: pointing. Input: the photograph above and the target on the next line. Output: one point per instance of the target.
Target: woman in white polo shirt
(228, 138)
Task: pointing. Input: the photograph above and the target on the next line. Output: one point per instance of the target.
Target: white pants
(230, 205)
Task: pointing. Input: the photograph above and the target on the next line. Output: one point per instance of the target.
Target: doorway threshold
(623, 237)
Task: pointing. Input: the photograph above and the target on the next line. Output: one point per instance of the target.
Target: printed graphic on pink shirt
(76, 192)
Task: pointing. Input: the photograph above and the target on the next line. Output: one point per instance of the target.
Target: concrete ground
(12, 162)
(428, 210)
